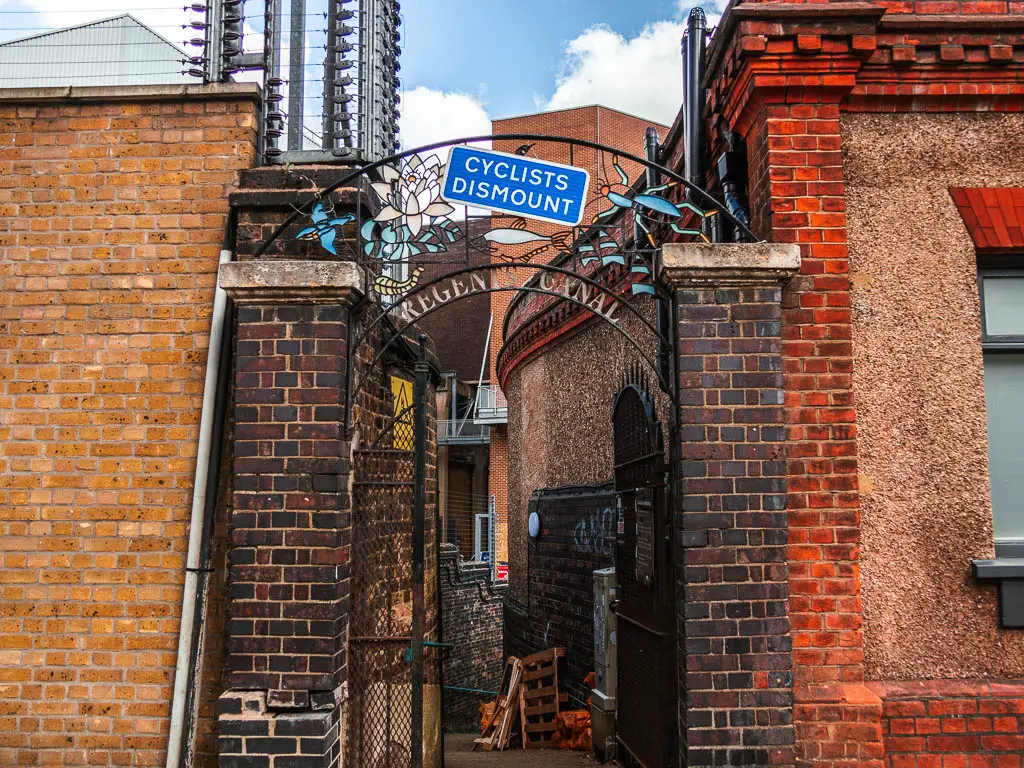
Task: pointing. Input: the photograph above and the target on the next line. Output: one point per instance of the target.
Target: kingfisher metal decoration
(324, 227)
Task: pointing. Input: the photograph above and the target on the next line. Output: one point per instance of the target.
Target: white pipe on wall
(182, 673)
(483, 366)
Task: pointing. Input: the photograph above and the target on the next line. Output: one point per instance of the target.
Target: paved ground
(459, 754)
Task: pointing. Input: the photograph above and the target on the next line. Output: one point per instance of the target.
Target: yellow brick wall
(111, 218)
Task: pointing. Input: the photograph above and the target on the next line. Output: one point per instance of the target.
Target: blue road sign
(521, 186)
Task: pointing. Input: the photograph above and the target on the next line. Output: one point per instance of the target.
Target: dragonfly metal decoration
(646, 202)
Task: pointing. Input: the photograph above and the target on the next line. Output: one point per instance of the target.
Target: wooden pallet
(539, 698)
(498, 728)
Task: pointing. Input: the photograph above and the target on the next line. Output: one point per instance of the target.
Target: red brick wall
(942, 7)
(952, 724)
(803, 162)
(781, 81)
(115, 211)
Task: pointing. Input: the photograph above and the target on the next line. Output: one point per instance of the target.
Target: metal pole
(651, 153)
(695, 44)
(273, 119)
(368, 10)
(214, 63)
(419, 515)
(439, 524)
(327, 141)
(296, 73)
(483, 364)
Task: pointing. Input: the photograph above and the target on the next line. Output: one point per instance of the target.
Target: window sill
(1008, 570)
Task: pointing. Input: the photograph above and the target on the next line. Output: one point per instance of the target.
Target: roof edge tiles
(994, 216)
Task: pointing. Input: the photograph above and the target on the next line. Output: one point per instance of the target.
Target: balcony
(462, 432)
(491, 406)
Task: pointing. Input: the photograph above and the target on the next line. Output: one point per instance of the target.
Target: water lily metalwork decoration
(412, 194)
(412, 221)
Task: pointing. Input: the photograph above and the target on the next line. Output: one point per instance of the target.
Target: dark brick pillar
(735, 640)
(290, 525)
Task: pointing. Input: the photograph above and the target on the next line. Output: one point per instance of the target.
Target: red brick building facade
(862, 125)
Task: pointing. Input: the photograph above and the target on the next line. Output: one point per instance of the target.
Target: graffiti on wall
(591, 532)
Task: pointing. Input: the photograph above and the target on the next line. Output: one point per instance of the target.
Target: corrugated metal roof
(116, 51)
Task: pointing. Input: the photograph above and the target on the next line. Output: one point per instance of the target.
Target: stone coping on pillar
(728, 264)
(292, 282)
(137, 93)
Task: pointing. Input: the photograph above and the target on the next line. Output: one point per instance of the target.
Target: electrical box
(602, 707)
(604, 631)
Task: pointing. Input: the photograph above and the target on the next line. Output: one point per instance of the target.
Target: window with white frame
(482, 537)
(1002, 311)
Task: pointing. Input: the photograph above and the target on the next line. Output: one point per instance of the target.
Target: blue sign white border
(520, 158)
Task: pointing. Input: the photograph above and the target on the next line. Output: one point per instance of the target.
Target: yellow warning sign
(401, 395)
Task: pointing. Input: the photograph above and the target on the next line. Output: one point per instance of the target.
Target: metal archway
(396, 251)
(348, 178)
(401, 332)
(388, 481)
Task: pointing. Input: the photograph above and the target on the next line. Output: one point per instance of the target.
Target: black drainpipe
(732, 173)
(694, 48)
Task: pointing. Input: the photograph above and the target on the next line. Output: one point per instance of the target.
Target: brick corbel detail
(780, 53)
(732, 573)
(290, 517)
(870, 60)
(936, 63)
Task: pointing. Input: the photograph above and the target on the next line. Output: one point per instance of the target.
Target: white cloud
(641, 75)
(429, 115)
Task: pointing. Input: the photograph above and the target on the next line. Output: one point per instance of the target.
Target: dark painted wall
(471, 608)
(577, 537)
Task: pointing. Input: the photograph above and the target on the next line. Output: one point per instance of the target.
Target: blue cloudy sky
(465, 62)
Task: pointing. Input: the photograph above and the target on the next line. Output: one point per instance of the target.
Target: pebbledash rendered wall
(114, 203)
(562, 435)
(921, 438)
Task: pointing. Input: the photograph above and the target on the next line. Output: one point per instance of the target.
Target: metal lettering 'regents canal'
(517, 185)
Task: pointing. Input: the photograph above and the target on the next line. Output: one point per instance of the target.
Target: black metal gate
(392, 631)
(646, 714)
(380, 632)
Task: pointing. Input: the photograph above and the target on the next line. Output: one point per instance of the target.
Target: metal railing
(491, 406)
(462, 431)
